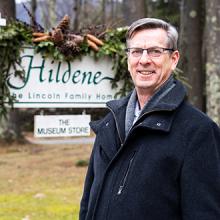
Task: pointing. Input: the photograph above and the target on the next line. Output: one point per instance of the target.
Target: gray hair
(153, 23)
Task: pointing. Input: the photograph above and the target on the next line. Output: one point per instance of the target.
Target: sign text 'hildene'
(48, 83)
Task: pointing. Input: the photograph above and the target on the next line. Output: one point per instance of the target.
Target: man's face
(149, 73)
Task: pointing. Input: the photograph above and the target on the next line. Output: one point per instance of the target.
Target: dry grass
(41, 182)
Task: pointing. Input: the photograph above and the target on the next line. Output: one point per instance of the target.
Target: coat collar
(169, 102)
(160, 113)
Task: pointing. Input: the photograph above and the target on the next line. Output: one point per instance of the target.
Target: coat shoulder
(114, 105)
(98, 124)
(194, 115)
(193, 122)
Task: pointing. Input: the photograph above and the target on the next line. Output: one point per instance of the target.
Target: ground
(42, 182)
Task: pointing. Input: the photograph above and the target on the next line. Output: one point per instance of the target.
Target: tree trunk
(77, 12)
(33, 9)
(213, 59)
(7, 9)
(10, 129)
(133, 10)
(112, 9)
(191, 50)
(48, 13)
(149, 9)
(86, 20)
(103, 11)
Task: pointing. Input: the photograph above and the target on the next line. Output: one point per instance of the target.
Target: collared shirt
(133, 109)
(137, 111)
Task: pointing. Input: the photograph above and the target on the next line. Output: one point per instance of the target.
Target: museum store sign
(56, 84)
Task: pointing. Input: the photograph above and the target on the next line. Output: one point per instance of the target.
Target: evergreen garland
(12, 38)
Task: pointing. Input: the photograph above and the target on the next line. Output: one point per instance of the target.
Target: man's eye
(154, 51)
(137, 51)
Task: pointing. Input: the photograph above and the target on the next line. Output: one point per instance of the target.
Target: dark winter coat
(166, 168)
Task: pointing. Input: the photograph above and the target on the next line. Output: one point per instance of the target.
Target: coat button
(107, 124)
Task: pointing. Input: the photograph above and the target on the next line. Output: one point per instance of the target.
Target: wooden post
(2, 121)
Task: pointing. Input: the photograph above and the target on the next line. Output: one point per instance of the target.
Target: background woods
(191, 45)
(212, 31)
(198, 23)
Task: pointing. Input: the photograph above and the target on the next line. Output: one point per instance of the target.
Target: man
(155, 156)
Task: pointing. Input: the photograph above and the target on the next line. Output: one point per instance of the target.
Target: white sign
(2, 21)
(61, 125)
(49, 83)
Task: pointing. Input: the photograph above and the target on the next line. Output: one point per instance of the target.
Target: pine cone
(72, 45)
(69, 48)
(57, 36)
(64, 49)
(64, 23)
(76, 38)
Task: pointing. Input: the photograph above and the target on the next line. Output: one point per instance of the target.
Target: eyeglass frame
(127, 50)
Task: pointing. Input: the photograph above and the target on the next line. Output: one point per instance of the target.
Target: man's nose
(145, 58)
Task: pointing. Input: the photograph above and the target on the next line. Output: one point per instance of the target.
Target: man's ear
(129, 67)
(175, 58)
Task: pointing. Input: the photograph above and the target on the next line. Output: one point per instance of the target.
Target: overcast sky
(19, 1)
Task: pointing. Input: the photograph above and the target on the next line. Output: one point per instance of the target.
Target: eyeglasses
(152, 51)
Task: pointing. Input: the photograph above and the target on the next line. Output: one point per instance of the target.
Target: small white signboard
(61, 125)
(2, 21)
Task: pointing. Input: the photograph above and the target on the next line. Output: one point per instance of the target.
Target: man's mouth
(145, 72)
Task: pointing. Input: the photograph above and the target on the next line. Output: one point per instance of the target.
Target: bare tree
(191, 50)
(213, 59)
(33, 8)
(77, 12)
(86, 13)
(48, 13)
(112, 2)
